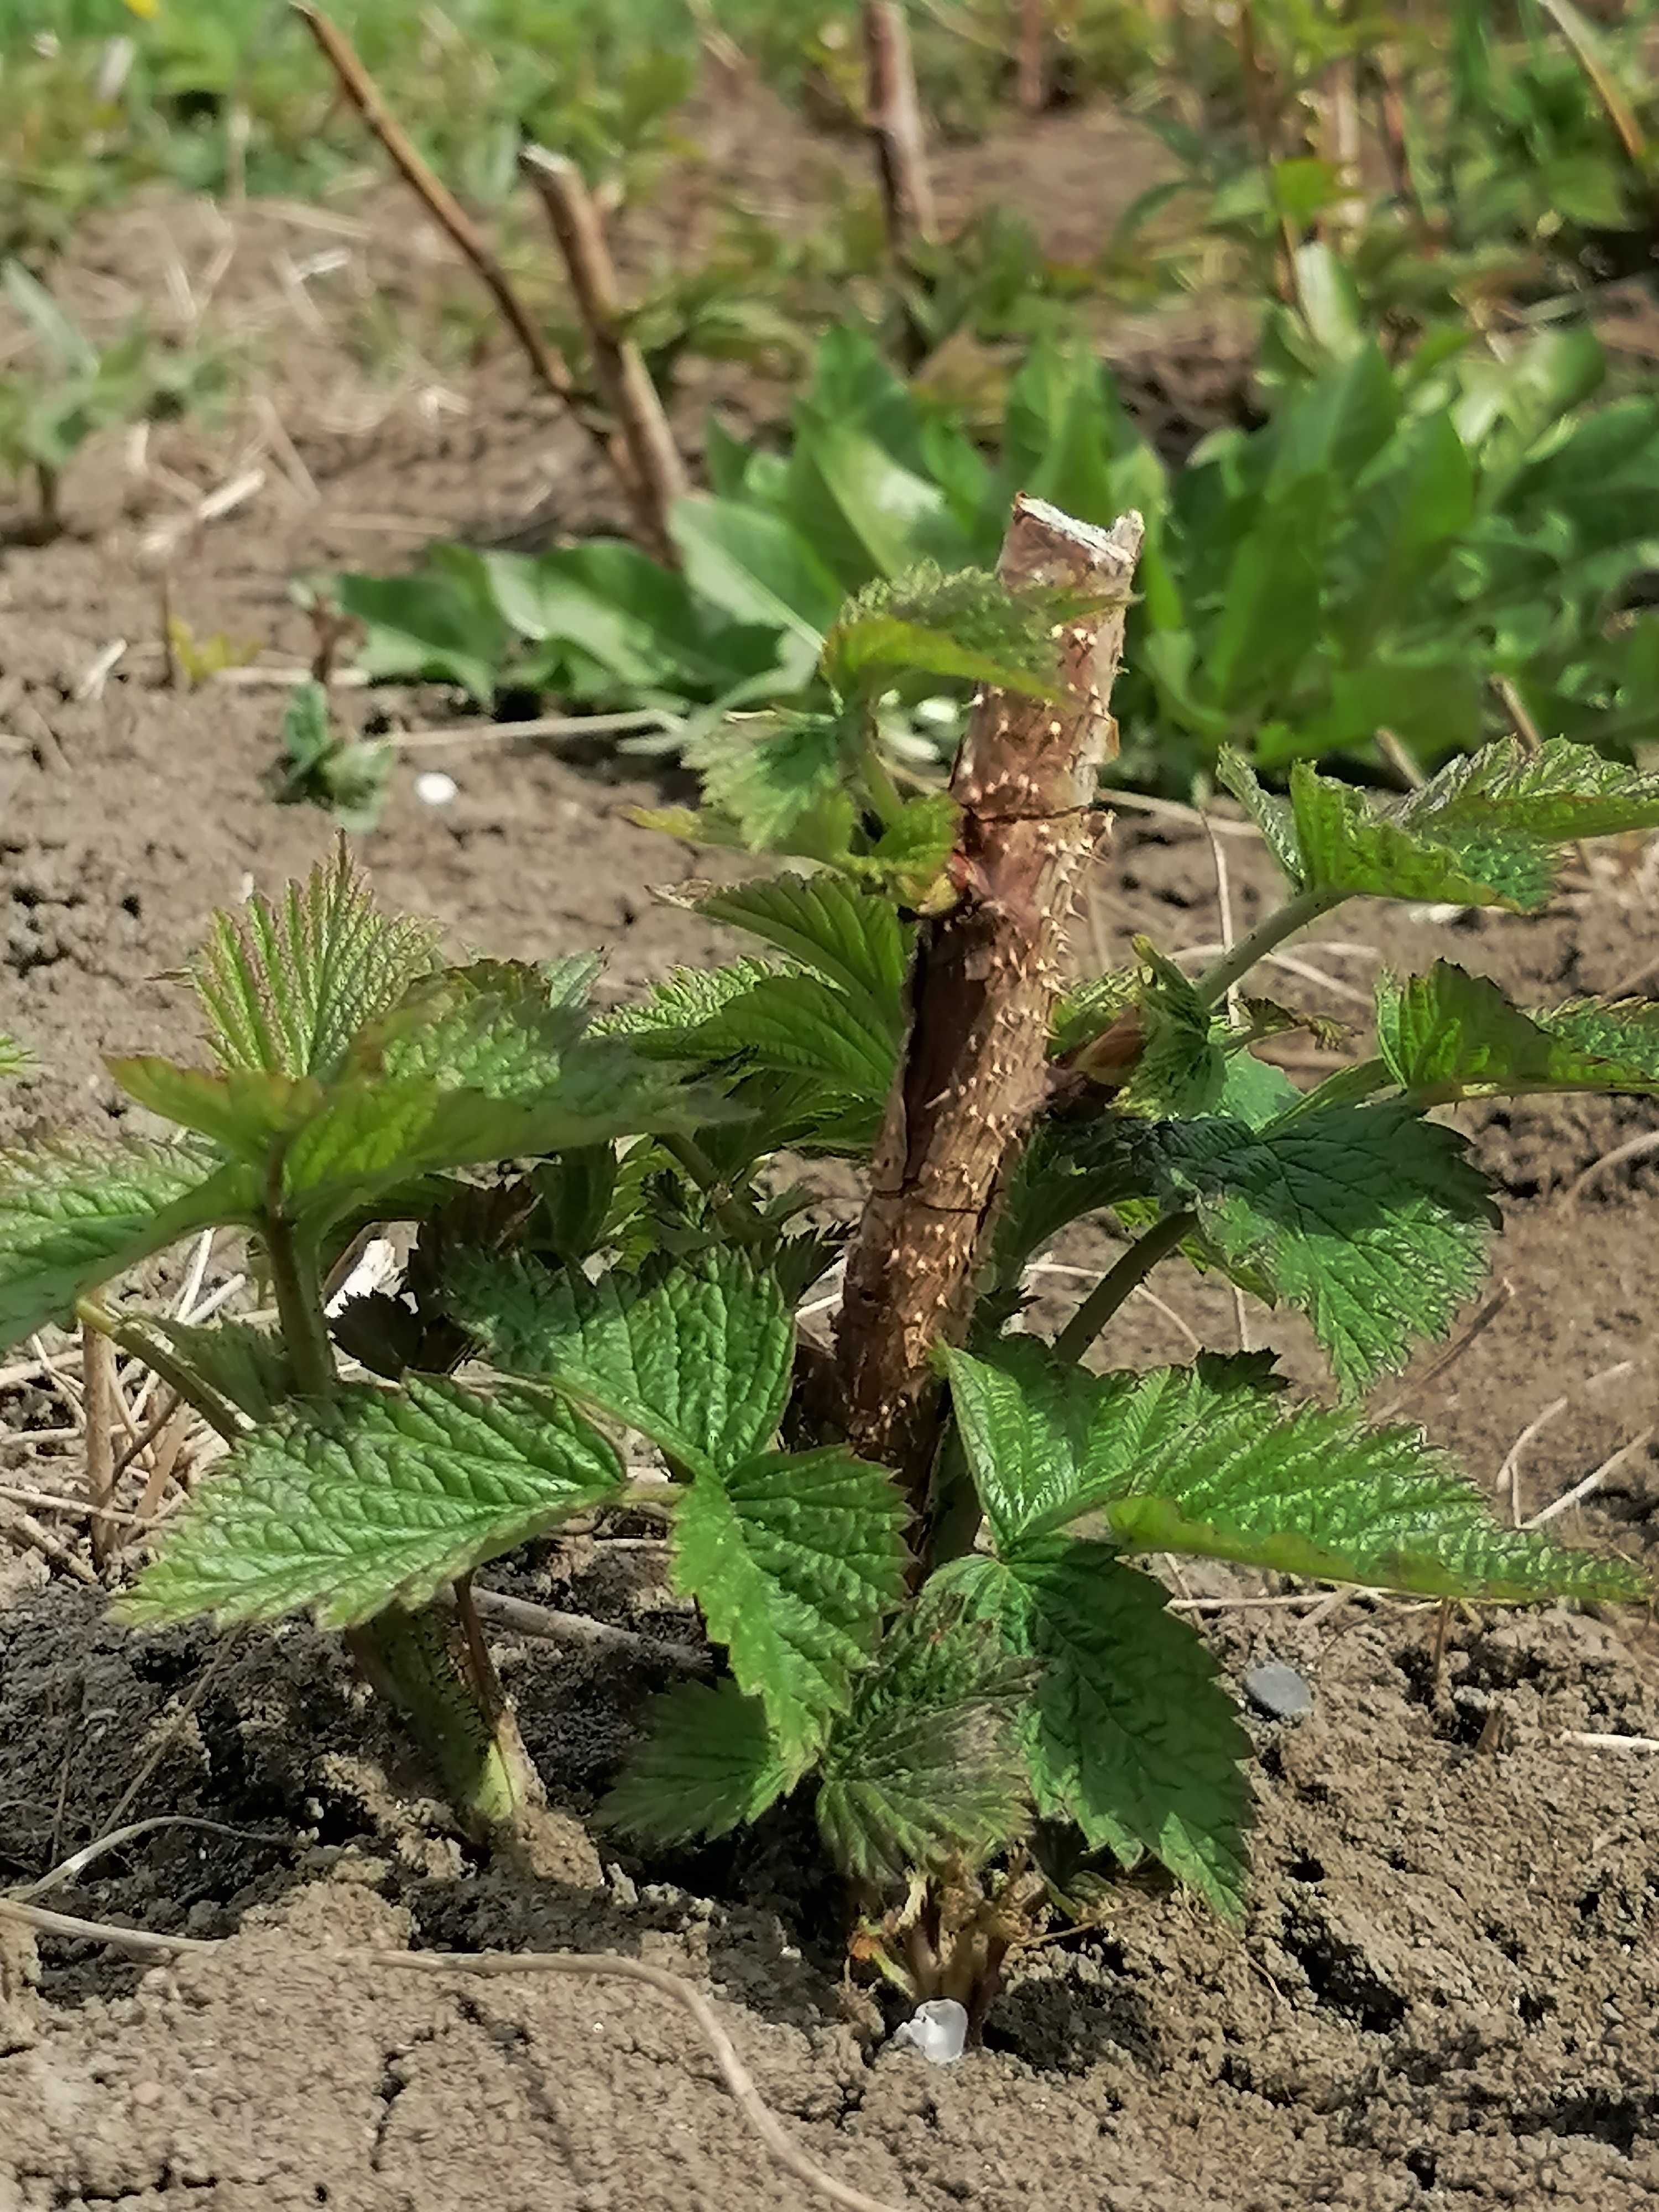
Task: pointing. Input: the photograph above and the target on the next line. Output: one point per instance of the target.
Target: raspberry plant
(918, 1549)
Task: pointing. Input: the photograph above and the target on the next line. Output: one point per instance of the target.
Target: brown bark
(894, 114)
(619, 366)
(1033, 56)
(975, 1070)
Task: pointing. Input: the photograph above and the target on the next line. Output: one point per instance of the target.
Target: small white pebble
(938, 2030)
(433, 788)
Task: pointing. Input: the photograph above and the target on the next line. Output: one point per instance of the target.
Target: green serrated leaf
(245, 1111)
(1487, 830)
(14, 1059)
(1130, 1734)
(502, 1028)
(1181, 1066)
(968, 625)
(287, 986)
(1254, 1091)
(75, 1212)
(851, 937)
(668, 1022)
(927, 1770)
(795, 1559)
(1560, 792)
(1450, 1034)
(1208, 1462)
(1271, 816)
(482, 1079)
(696, 1356)
(908, 861)
(1369, 1219)
(765, 773)
(799, 1025)
(707, 1764)
(373, 1499)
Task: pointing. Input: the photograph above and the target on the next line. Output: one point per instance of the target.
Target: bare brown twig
(447, 211)
(894, 115)
(23, 1528)
(657, 470)
(1033, 56)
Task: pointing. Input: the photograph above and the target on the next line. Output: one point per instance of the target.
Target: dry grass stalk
(1633, 1148)
(975, 1062)
(618, 365)
(544, 1624)
(1591, 1483)
(25, 1531)
(893, 113)
(1508, 1475)
(97, 1376)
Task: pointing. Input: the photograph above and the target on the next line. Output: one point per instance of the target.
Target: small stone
(1279, 1690)
(938, 2029)
(434, 788)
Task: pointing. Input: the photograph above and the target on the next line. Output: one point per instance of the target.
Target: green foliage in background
(1397, 540)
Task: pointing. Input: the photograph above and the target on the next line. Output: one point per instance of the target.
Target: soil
(1446, 1990)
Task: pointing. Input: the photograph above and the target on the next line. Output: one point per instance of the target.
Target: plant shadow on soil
(1447, 1986)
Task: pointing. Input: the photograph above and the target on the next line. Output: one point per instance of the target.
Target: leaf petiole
(1109, 1293)
(1214, 985)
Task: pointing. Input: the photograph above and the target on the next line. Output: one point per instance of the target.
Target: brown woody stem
(1033, 56)
(619, 366)
(894, 115)
(975, 1070)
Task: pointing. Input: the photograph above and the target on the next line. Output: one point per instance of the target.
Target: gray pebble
(1279, 1690)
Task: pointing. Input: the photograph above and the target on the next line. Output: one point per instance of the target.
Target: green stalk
(953, 1523)
(415, 1662)
(1214, 985)
(441, 1682)
(298, 1290)
(1110, 1292)
(886, 799)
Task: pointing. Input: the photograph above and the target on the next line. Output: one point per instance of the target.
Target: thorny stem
(1307, 907)
(1110, 1292)
(973, 1072)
